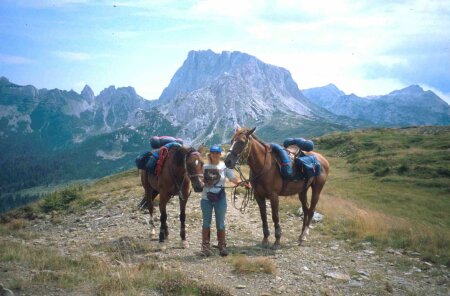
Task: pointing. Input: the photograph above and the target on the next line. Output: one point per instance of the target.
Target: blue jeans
(220, 209)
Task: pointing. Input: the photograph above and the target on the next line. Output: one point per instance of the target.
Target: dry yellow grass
(365, 222)
(245, 264)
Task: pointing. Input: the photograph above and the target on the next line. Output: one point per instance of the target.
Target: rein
(249, 194)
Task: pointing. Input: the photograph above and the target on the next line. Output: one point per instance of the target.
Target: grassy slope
(391, 203)
(89, 274)
(391, 186)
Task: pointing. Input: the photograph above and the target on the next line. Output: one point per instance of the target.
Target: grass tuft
(244, 264)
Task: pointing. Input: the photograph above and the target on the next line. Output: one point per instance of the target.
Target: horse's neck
(257, 158)
(178, 170)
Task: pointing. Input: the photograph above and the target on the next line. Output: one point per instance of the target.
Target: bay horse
(182, 165)
(267, 182)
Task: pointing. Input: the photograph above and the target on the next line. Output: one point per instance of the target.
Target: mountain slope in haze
(405, 107)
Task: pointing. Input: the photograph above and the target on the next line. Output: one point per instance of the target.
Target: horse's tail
(143, 203)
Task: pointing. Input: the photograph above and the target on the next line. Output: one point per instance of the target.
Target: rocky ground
(322, 266)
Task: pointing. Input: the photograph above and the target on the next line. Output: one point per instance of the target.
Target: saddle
(294, 164)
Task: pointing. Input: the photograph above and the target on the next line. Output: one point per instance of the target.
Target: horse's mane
(180, 154)
(245, 130)
(258, 139)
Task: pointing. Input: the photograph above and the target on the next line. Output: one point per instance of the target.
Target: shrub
(61, 200)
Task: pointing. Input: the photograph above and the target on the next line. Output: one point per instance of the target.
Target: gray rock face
(213, 93)
(409, 106)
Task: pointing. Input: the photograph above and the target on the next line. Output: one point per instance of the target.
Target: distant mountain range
(50, 136)
(406, 107)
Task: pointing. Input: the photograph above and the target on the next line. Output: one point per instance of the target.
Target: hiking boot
(222, 243)
(206, 249)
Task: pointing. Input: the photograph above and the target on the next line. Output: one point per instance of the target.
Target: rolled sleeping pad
(157, 142)
(286, 166)
(305, 145)
(172, 144)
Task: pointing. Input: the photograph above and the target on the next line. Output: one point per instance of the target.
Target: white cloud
(17, 60)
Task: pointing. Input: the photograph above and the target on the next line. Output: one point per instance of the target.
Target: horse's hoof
(265, 244)
(276, 247)
(184, 244)
(301, 240)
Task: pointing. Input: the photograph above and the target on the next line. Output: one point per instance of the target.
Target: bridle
(243, 156)
(185, 164)
(190, 176)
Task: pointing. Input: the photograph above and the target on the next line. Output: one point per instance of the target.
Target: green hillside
(399, 180)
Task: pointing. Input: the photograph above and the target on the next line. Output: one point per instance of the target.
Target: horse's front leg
(183, 202)
(263, 211)
(163, 229)
(276, 221)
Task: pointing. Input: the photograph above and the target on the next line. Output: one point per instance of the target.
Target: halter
(188, 155)
(179, 186)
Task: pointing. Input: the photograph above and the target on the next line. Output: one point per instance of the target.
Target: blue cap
(215, 148)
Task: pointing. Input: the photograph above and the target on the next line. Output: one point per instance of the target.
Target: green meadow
(391, 187)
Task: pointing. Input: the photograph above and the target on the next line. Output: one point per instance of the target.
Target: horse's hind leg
(263, 211)
(150, 197)
(316, 187)
(304, 200)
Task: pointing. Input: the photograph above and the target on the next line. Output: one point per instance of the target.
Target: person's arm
(235, 180)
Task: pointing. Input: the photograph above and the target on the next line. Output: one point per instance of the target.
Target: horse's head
(194, 168)
(239, 143)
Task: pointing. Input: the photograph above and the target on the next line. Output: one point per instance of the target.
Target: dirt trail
(321, 266)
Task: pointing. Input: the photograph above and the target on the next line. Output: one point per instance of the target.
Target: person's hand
(247, 185)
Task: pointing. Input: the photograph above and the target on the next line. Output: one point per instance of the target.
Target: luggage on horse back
(304, 145)
(152, 161)
(157, 142)
(305, 166)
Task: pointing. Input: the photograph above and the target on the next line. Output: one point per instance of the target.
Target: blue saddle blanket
(306, 166)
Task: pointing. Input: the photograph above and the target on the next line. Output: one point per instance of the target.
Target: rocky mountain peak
(410, 90)
(87, 93)
(201, 68)
(4, 80)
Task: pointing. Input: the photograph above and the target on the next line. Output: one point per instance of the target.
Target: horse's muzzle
(230, 160)
(198, 185)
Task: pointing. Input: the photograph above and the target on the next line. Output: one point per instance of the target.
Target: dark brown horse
(267, 182)
(181, 166)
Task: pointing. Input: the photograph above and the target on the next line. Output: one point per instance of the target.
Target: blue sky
(364, 47)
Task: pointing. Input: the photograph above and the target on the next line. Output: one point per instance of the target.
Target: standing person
(214, 197)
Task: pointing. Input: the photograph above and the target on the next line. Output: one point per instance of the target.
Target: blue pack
(142, 159)
(286, 166)
(308, 166)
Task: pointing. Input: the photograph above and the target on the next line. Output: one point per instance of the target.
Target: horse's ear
(251, 131)
(201, 148)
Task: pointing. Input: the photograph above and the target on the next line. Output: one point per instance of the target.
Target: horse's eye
(196, 162)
